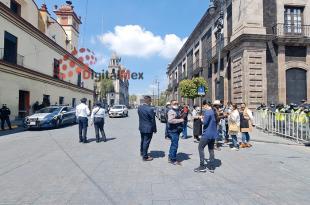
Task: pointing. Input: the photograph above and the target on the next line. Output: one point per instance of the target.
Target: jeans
(174, 146)
(83, 124)
(145, 143)
(221, 130)
(184, 129)
(8, 122)
(202, 144)
(245, 137)
(235, 141)
(99, 127)
(166, 131)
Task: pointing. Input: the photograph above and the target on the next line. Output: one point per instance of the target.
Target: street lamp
(219, 37)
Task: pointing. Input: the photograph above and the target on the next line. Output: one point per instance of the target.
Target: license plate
(32, 123)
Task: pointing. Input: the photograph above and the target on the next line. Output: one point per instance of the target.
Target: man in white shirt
(82, 111)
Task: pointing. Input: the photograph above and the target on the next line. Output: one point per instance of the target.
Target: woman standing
(246, 123)
(97, 118)
(197, 124)
(234, 126)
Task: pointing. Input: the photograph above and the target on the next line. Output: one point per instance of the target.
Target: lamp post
(219, 37)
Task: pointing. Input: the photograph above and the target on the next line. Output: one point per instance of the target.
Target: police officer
(5, 113)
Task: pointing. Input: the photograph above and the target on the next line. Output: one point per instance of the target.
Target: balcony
(18, 60)
(291, 30)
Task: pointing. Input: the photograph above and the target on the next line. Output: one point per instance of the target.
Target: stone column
(308, 73)
(281, 74)
(224, 74)
(213, 83)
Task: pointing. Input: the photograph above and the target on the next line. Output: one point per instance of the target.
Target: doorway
(23, 103)
(296, 85)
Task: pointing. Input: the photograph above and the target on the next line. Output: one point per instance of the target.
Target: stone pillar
(213, 83)
(224, 74)
(281, 74)
(308, 73)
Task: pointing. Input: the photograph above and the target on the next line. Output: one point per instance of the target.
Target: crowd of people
(211, 125)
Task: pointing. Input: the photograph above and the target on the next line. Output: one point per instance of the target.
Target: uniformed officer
(5, 113)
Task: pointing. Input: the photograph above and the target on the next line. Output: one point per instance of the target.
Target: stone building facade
(120, 96)
(38, 60)
(264, 53)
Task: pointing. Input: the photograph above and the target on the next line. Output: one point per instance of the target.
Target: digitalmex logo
(69, 67)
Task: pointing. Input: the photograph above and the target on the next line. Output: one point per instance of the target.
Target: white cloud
(133, 40)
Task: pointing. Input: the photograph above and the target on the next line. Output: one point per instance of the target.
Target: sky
(146, 34)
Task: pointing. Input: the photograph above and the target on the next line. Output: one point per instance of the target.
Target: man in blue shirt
(147, 126)
(208, 137)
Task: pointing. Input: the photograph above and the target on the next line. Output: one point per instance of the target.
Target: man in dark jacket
(147, 126)
(5, 113)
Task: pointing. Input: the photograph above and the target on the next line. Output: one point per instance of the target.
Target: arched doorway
(296, 85)
(219, 95)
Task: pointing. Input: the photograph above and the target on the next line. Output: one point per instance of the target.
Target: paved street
(51, 167)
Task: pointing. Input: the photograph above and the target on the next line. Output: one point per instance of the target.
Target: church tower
(70, 22)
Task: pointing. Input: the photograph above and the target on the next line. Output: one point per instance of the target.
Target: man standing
(175, 127)
(82, 111)
(147, 126)
(208, 137)
(5, 113)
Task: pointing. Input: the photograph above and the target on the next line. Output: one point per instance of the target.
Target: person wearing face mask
(197, 125)
(175, 127)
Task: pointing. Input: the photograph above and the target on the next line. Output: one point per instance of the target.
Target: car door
(65, 115)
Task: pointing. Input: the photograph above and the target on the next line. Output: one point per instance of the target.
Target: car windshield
(49, 110)
(117, 107)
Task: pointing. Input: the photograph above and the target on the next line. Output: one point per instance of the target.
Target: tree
(189, 88)
(163, 98)
(106, 86)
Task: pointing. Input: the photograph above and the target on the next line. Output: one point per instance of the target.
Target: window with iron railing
(293, 19)
(56, 70)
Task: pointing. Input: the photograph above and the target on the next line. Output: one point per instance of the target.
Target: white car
(118, 111)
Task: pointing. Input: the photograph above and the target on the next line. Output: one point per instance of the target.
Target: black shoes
(201, 168)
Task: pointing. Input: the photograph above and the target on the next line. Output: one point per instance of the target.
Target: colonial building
(38, 57)
(120, 96)
(253, 51)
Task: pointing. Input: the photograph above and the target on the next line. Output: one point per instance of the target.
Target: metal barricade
(286, 125)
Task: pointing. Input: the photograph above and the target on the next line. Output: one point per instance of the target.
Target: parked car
(51, 117)
(118, 111)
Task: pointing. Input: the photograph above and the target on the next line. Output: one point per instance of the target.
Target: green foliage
(188, 88)
(106, 86)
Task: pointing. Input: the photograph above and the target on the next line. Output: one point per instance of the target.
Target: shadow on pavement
(101, 140)
(183, 156)
(157, 154)
(213, 165)
(13, 131)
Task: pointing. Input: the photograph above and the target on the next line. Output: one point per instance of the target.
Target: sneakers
(174, 162)
(200, 169)
(235, 149)
(243, 145)
(148, 159)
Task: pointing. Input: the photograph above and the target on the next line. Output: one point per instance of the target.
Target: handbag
(233, 127)
(97, 119)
